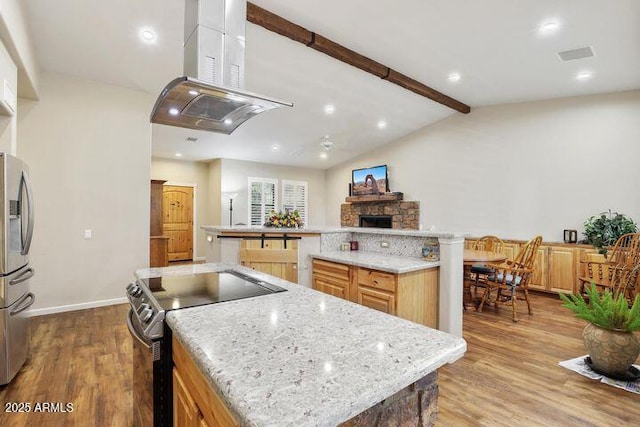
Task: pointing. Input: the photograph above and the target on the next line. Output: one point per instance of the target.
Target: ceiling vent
(191, 139)
(573, 54)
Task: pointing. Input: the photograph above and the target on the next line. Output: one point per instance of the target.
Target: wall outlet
(384, 244)
(87, 234)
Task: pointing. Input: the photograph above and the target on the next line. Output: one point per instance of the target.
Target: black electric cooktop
(175, 292)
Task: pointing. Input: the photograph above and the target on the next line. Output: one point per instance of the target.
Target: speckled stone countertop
(385, 262)
(320, 230)
(301, 357)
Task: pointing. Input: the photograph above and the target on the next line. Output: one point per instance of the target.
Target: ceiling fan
(326, 145)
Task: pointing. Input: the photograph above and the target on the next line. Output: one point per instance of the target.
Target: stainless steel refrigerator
(16, 231)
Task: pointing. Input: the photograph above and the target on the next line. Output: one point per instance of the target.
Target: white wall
(235, 175)
(88, 146)
(14, 32)
(8, 119)
(177, 172)
(515, 170)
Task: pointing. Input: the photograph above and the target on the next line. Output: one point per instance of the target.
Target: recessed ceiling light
(549, 27)
(178, 154)
(382, 124)
(193, 92)
(174, 111)
(228, 121)
(275, 147)
(329, 109)
(147, 35)
(454, 77)
(323, 155)
(584, 75)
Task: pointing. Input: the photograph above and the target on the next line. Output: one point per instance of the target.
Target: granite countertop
(378, 261)
(301, 357)
(321, 229)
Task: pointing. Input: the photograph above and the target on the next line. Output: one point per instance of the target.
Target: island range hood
(213, 99)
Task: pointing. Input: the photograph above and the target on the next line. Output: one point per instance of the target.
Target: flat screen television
(372, 180)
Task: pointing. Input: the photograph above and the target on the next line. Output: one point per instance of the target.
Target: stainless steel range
(150, 299)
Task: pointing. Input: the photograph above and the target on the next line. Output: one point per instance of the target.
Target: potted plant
(609, 336)
(603, 230)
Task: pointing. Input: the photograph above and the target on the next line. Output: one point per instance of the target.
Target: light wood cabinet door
(331, 286)
(185, 410)
(271, 258)
(510, 250)
(562, 270)
(539, 279)
(378, 300)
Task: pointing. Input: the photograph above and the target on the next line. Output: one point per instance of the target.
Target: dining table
(473, 257)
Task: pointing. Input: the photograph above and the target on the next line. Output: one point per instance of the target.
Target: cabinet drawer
(331, 269)
(377, 279)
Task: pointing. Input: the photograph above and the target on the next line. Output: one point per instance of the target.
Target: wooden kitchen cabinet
(195, 403)
(412, 296)
(332, 278)
(555, 269)
(378, 300)
(271, 257)
(185, 410)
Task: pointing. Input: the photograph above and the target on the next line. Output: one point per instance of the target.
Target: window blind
(294, 197)
(262, 199)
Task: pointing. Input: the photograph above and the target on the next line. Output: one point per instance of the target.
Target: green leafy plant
(607, 310)
(284, 219)
(603, 230)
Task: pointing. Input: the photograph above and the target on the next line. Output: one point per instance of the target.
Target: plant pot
(612, 352)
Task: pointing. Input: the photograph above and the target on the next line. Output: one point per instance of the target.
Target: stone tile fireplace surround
(404, 215)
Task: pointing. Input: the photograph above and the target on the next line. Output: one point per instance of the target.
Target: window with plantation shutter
(294, 197)
(262, 199)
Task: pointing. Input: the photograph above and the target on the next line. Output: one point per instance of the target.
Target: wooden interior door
(177, 208)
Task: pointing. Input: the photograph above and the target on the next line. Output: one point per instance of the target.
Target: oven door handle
(134, 332)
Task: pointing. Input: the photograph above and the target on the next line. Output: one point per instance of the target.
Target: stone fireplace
(403, 215)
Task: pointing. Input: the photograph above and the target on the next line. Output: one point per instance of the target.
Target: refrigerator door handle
(29, 235)
(24, 303)
(26, 275)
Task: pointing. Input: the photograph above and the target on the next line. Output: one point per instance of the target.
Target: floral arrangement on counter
(284, 219)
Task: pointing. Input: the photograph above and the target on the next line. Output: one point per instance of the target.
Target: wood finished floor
(508, 377)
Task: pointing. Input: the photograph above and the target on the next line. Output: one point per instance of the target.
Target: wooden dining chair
(479, 272)
(512, 278)
(617, 272)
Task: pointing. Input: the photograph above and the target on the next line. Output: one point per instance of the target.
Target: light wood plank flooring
(510, 374)
(508, 377)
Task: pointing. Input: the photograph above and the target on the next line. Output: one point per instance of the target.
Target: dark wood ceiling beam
(286, 28)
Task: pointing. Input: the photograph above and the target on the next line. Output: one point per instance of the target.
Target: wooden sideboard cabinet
(195, 403)
(412, 296)
(557, 267)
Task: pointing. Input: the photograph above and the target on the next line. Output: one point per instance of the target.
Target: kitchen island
(304, 358)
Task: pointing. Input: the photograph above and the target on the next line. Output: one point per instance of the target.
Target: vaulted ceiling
(497, 47)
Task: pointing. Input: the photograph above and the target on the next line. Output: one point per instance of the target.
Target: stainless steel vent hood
(212, 100)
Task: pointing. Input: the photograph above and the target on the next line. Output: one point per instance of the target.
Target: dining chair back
(511, 279)
(619, 272)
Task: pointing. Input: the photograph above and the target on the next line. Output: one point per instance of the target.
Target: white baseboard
(199, 258)
(74, 307)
